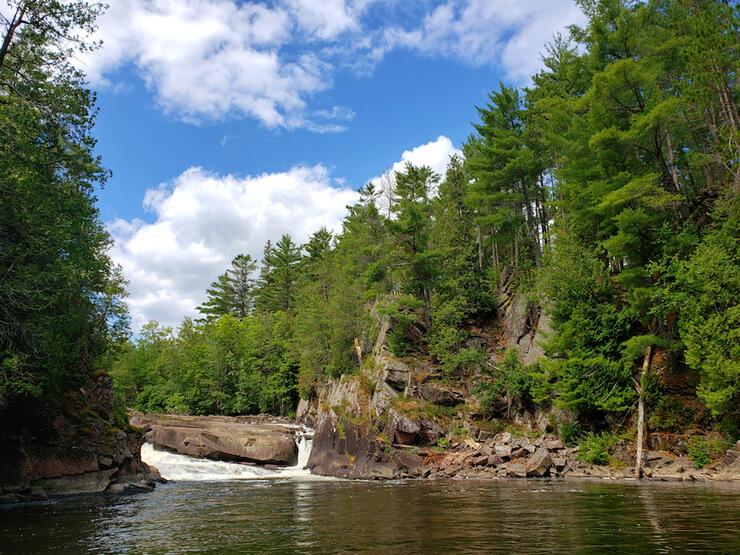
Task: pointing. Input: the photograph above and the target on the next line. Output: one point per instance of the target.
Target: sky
(227, 123)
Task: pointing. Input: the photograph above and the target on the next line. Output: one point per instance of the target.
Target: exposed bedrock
(221, 438)
(78, 451)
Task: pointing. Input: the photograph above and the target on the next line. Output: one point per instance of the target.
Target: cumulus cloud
(208, 59)
(205, 59)
(202, 220)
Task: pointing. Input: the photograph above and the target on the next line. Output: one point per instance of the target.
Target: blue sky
(226, 122)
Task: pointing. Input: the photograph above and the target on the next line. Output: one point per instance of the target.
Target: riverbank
(267, 444)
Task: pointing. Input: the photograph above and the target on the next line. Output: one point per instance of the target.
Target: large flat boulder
(221, 438)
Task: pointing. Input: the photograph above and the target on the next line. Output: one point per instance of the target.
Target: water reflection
(306, 515)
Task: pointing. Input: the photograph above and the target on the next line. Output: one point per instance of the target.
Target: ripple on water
(303, 515)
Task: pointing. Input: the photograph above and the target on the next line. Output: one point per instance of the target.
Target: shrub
(596, 449)
(571, 432)
(699, 452)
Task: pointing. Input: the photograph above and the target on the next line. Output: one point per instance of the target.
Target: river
(295, 512)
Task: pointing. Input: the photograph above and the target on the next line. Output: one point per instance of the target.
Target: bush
(571, 432)
(699, 453)
(596, 449)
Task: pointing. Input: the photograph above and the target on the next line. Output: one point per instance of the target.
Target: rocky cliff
(77, 450)
(401, 417)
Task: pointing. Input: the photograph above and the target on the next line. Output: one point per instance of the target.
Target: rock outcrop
(221, 437)
(78, 451)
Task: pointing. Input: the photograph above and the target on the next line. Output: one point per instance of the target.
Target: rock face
(221, 438)
(344, 449)
(441, 395)
(76, 452)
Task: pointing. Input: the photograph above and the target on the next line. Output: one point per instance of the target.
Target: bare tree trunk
(671, 158)
(641, 409)
(16, 22)
(358, 350)
(480, 250)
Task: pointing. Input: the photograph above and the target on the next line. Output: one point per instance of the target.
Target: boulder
(554, 444)
(430, 431)
(223, 438)
(494, 460)
(516, 470)
(402, 429)
(558, 461)
(518, 453)
(485, 435)
(440, 394)
(527, 445)
(504, 437)
(503, 451)
(539, 463)
(395, 373)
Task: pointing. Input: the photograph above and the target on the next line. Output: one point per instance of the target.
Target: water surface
(311, 515)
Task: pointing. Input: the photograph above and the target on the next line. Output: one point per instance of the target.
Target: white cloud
(209, 59)
(202, 220)
(508, 33)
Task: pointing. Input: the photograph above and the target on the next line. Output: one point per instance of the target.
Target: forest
(608, 190)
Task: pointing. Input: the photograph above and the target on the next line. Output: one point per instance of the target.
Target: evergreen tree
(233, 293)
(459, 290)
(280, 271)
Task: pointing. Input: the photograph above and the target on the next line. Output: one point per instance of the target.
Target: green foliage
(231, 366)
(461, 292)
(402, 313)
(510, 381)
(571, 432)
(596, 448)
(699, 452)
(233, 292)
(61, 308)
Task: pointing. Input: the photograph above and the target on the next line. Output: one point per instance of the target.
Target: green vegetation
(596, 448)
(608, 191)
(61, 309)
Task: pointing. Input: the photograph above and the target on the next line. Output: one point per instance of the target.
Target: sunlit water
(304, 514)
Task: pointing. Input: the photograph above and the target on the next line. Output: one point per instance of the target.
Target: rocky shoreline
(78, 452)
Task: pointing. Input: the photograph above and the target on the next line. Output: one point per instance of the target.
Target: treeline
(608, 189)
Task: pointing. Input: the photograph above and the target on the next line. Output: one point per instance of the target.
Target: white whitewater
(181, 468)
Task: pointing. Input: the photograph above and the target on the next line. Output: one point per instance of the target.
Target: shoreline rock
(223, 438)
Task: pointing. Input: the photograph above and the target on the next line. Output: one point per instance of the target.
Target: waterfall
(182, 468)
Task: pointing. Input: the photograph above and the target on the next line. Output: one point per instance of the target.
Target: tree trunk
(16, 22)
(480, 250)
(641, 410)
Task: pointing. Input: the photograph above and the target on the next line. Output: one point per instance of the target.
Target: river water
(299, 513)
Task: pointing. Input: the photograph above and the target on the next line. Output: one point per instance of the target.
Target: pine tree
(279, 275)
(233, 291)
